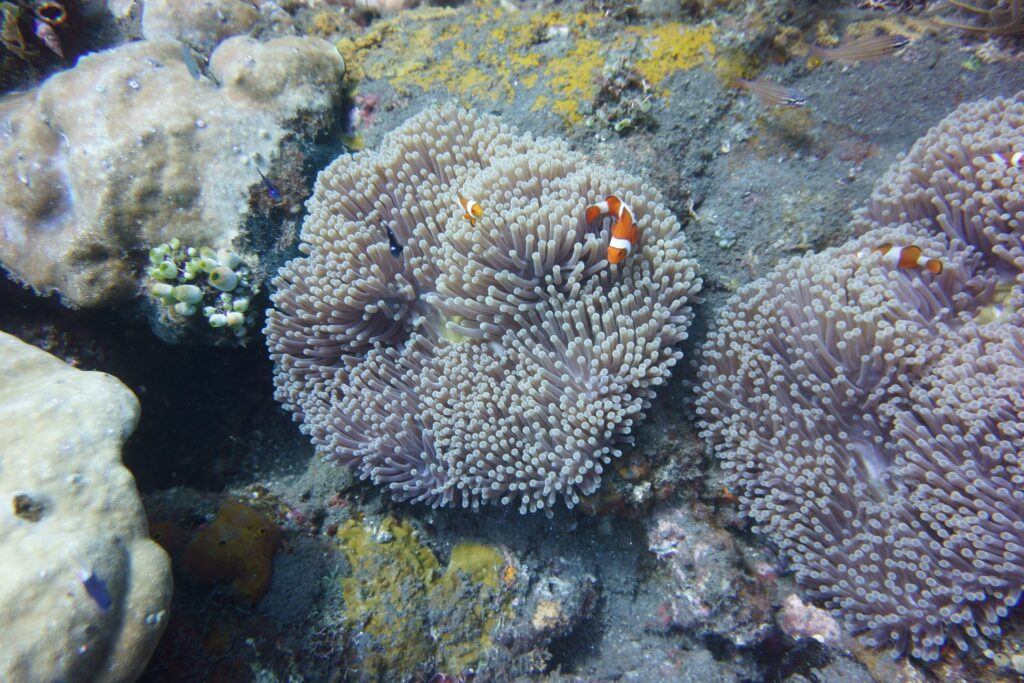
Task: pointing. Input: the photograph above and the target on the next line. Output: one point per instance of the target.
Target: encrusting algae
(406, 616)
(553, 59)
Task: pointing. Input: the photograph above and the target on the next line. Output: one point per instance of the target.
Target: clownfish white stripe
(1016, 159)
(619, 243)
(908, 256)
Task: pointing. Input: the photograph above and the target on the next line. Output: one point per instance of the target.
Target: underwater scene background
(511, 340)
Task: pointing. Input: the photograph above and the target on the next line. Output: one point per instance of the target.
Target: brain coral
(959, 179)
(870, 417)
(496, 362)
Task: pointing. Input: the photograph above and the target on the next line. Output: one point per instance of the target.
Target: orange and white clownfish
(473, 209)
(624, 234)
(1016, 159)
(909, 256)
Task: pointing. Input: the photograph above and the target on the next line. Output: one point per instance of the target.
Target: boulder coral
(84, 592)
(869, 415)
(128, 150)
(471, 361)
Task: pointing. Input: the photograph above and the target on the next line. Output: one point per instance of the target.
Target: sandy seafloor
(752, 185)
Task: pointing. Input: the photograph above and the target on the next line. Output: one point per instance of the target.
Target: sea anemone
(961, 179)
(871, 427)
(493, 360)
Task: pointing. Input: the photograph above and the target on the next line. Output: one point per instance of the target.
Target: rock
(84, 592)
(706, 589)
(201, 25)
(287, 74)
(804, 620)
(128, 150)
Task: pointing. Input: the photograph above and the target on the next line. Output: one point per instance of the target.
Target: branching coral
(500, 360)
(870, 416)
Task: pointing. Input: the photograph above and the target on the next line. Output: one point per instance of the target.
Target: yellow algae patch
(672, 47)
(488, 54)
(408, 612)
(472, 580)
(572, 78)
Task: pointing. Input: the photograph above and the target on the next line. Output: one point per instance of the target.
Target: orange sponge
(239, 546)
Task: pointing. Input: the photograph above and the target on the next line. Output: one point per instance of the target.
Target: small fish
(190, 62)
(96, 589)
(45, 33)
(624, 233)
(1016, 159)
(772, 94)
(473, 210)
(272, 191)
(861, 49)
(909, 256)
(396, 248)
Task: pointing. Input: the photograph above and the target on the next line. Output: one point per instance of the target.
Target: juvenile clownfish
(907, 257)
(473, 209)
(1016, 159)
(624, 233)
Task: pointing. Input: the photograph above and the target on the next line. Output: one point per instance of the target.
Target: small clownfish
(906, 257)
(1016, 159)
(624, 234)
(473, 209)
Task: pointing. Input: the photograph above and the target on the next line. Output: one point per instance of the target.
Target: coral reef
(898, 407)
(129, 149)
(494, 360)
(239, 546)
(84, 592)
(557, 60)
(868, 412)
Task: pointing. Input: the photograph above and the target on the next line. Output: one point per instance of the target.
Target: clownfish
(1016, 159)
(473, 209)
(624, 234)
(909, 256)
